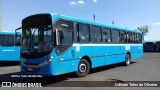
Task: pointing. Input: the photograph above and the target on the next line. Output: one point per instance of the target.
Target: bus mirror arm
(16, 33)
(57, 38)
(18, 29)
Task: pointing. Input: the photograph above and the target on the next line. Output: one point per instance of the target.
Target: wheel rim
(128, 60)
(82, 67)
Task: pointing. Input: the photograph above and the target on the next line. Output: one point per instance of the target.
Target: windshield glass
(6, 40)
(37, 39)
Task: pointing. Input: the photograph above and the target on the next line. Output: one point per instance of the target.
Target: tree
(143, 29)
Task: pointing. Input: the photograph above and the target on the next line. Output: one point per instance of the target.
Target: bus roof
(55, 16)
(7, 32)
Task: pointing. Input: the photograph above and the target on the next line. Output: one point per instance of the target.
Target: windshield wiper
(31, 42)
(33, 35)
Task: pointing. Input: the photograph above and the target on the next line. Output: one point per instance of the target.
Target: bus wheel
(127, 60)
(83, 68)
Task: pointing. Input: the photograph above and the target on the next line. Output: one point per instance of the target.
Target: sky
(125, 13)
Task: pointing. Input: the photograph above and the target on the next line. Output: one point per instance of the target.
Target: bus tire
(127, 60)
(83, 68)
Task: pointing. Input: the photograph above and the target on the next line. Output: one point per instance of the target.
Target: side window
(6, 40)
(139, 38)
(9, 40)
(64, 35)
(131, 37)
(106, 35)
(134, 38)
(115, 36)
(123, 37)
(95, 34)
(65, 32)
(129, 40)
(83, 33)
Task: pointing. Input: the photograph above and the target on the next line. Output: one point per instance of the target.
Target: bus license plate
(29, 69)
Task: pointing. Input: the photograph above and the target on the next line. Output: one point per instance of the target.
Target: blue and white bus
(67, 44)
(9, 46)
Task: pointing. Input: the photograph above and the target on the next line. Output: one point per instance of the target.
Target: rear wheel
(83, 68)
(127, 60)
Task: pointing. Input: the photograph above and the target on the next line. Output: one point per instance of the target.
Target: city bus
(67, 44)
(149, 46)
(9, 46)
(157, 46)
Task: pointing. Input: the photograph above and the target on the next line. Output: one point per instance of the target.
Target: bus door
(64, 41)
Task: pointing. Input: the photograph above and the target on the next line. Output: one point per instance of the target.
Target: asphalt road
(146, 68)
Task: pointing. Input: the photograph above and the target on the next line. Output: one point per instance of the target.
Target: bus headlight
(46, 61)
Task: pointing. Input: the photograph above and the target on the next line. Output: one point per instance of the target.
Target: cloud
(73, 3)
(77, 2)
(80, 2)
(94, 1)
(157, 23)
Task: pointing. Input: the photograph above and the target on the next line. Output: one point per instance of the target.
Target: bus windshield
(37, 36)
(33, 45)
(6, 40)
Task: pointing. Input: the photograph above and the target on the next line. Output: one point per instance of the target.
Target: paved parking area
(146, 68)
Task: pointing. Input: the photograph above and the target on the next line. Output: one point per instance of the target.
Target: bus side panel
(123, 53)
(110, 58)
(137, 52)
(117, 54)
(63, 67)
(74, 65)
(98, 54)
(10, 53)
(134, 52)
(64, 62)
(92, 55)
(81, 51)
(120, 53)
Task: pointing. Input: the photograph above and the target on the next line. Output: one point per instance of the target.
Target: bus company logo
(6, 84)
